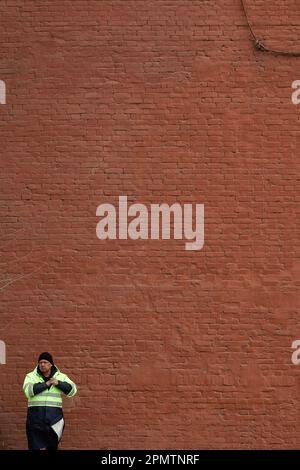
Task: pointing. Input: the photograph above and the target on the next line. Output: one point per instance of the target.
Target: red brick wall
(162, 101)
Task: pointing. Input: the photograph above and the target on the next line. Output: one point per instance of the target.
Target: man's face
(45, 366)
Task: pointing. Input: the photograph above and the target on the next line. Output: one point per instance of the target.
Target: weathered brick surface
(162, 101)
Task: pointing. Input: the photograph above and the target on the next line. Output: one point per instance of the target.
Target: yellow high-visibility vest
(49, 397)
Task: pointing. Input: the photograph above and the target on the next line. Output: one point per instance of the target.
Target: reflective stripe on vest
(72, 391)
(30, 389)
(41, 399)
(45, 403)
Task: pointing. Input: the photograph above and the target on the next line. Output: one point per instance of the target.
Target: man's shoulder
(60, 374)
(32, 372)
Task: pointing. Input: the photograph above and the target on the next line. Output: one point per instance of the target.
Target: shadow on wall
(2, 447)
(11, 423)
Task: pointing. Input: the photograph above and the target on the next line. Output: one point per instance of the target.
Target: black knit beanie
(47, 357)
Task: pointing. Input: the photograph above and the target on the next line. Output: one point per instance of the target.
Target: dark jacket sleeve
(64, 387)
(39, 387)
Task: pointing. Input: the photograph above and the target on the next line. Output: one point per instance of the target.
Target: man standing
(44, 387)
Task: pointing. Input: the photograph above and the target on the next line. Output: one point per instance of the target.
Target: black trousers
(41, 437)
